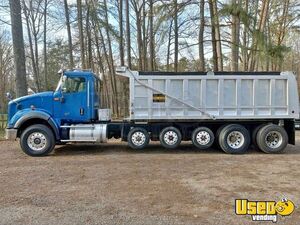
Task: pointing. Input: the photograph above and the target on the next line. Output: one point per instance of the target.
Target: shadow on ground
(78, 149)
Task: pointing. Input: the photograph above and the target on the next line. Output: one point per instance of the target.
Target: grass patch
(3, 122)
(2, 133)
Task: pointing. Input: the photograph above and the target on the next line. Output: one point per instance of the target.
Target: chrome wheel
(235, 139)
(273, 139)
(138, 138)
(170, 137)
(203, 137)
(37, 141)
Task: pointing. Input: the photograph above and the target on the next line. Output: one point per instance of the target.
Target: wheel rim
(235, 139)
(203, 137)
(37, 141)
(273, 139)
(138, 138)
(170, 137)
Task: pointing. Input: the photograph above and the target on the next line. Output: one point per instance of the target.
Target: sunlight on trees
(175, 35)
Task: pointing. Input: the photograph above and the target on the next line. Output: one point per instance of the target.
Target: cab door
(75, 98)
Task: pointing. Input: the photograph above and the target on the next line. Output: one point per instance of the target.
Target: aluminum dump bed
(222, 95)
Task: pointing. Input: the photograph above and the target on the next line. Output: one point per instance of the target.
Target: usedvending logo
(264, 210)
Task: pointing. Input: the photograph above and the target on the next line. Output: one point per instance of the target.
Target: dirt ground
(112, 184)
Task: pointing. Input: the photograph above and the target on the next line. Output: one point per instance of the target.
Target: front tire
(234, 139)
(37, 140)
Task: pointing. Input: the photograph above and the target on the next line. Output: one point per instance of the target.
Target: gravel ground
(112, 184)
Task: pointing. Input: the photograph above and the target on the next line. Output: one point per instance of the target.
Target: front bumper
(11, 134)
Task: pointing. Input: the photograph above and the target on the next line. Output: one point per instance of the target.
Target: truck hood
(42, 101)
(38, 97)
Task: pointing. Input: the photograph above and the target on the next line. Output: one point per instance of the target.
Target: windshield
(71, 84)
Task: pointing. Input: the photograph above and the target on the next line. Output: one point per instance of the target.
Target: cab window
(74, 84)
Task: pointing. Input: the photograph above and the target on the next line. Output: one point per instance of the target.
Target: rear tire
(170, 137)
(216, 144)
(203, 137)
(234, 139)
(272, 139)
(138, 138)
(254, 134)
(37, 140)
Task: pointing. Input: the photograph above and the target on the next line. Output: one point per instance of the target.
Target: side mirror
(62, 98)
(8, 96)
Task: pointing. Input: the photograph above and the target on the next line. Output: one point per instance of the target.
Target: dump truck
(229, 110)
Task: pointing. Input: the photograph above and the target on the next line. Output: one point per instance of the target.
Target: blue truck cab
(75, 101)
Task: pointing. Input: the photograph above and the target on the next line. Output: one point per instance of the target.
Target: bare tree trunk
(105, 98)
(282, 25)
(216, 36)
(144, 39)
(245, 41)
(169, 45)
(128, 34)
(113, 105)
(110, 98)
(97, 30)
(261, 27)
(36, 50)
(18, 47)
(264, 14)
(139, 41)
(121, 45)
(33, 29)
(268, 41)
(112, 69)
(137, 9)
(175, 36)
(81, 37)
(282, 30)
(89, 61)
(213, 37)
(70, 45)
(235, 38)
(45, 45)
(32, 57)
(151, 31)
(201, 37)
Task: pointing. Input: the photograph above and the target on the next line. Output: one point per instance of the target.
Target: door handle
(81, 111)
(61, 99)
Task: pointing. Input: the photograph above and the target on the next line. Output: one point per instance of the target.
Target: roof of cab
(80, 73)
